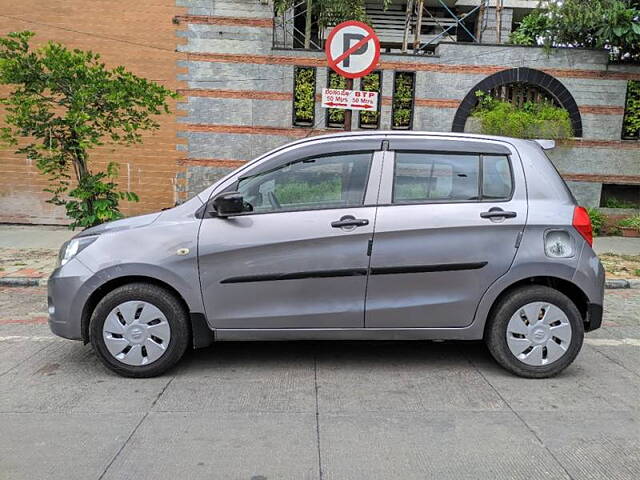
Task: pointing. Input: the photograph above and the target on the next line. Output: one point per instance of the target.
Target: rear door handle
(497, 212)
(350, 221)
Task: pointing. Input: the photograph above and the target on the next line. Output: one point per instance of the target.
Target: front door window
(323, 182)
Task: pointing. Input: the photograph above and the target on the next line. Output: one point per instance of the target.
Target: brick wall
(139, 35)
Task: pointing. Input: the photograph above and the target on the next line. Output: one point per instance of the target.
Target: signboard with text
(349, 99)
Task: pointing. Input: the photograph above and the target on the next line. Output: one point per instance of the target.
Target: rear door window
(422, 177)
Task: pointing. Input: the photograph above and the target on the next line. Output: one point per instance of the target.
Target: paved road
(332, 410)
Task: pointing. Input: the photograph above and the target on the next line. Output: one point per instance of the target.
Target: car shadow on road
(338, 354)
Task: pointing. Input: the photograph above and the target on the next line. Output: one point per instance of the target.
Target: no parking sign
(352, 49)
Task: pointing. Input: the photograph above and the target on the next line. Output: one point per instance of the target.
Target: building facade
(235, 69)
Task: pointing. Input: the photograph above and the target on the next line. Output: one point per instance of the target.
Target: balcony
(410, 26)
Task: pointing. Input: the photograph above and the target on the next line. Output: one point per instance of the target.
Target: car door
(450, 218)
(299, 259)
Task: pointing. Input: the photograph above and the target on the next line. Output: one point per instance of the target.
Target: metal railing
(412, 28)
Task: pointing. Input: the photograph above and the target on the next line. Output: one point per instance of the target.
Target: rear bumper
(594, 317)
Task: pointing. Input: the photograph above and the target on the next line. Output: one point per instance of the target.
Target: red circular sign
(352, 49)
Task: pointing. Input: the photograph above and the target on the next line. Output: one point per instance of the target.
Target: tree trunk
(407, 26)
(416, 37)
(307, 25)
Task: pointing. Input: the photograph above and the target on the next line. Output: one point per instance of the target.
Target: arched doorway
(517, 80)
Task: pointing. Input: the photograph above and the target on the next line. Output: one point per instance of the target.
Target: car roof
(412, 133)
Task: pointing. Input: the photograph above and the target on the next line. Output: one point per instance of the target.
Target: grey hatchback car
(367, 236)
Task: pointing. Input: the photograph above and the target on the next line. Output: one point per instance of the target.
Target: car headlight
(558, 244)
(74, 246)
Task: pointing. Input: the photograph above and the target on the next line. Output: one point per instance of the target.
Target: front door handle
(350, 221)
(497, 212)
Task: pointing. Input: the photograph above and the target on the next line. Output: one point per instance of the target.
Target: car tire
(547, 343)
(133, 305)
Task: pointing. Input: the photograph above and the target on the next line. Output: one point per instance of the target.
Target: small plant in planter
(304, 96)
(370, 83)
(402, 101)
(335, 116)
(630, 227)
(631, 121)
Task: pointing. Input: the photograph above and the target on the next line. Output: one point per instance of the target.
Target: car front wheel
(535, 332)
(139, 330)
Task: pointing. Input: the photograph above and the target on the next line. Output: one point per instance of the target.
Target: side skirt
(288, 334)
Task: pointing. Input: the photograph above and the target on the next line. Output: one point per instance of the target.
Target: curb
(611, 284)
(23, 282)
(618, 283)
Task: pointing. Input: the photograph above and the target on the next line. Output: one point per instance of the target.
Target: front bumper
(66, 300)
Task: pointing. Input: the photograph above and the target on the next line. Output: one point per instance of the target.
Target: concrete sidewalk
(617, 245)
(38, 237)
(28, 253)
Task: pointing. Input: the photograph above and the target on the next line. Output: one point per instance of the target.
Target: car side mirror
(228, 203)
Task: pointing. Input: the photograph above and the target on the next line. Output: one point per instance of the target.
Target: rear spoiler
(546, 144)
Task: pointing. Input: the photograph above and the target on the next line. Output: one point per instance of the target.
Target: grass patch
(621, 266)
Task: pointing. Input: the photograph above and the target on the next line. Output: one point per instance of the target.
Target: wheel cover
(539, 333)
(136, 333)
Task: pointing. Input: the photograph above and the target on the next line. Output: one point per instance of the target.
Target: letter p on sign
(352, 49)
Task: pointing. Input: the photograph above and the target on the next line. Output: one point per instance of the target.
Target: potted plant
(630, 227)
(335, 116)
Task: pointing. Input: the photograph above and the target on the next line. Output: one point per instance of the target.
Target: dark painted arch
(522, 74)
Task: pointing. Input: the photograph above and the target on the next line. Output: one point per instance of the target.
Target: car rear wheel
(139, 330)
(535, 332)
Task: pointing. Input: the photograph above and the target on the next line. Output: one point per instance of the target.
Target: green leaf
(620, 31)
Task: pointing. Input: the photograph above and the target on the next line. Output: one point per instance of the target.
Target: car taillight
(582, 223)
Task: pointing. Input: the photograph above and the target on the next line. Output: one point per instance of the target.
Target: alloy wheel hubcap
(136, 333)
(538, 334)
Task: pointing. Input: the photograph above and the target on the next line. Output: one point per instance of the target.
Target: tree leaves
(64, 103)
(610, 24)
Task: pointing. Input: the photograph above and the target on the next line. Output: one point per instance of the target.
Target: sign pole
(347, 113)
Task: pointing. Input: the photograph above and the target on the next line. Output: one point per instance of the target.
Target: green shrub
(402, 100)
(304, 96)
(615, 203)
(631, 222)
(532, 120)
(370, 83)
(597, 220)
(631, 122)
